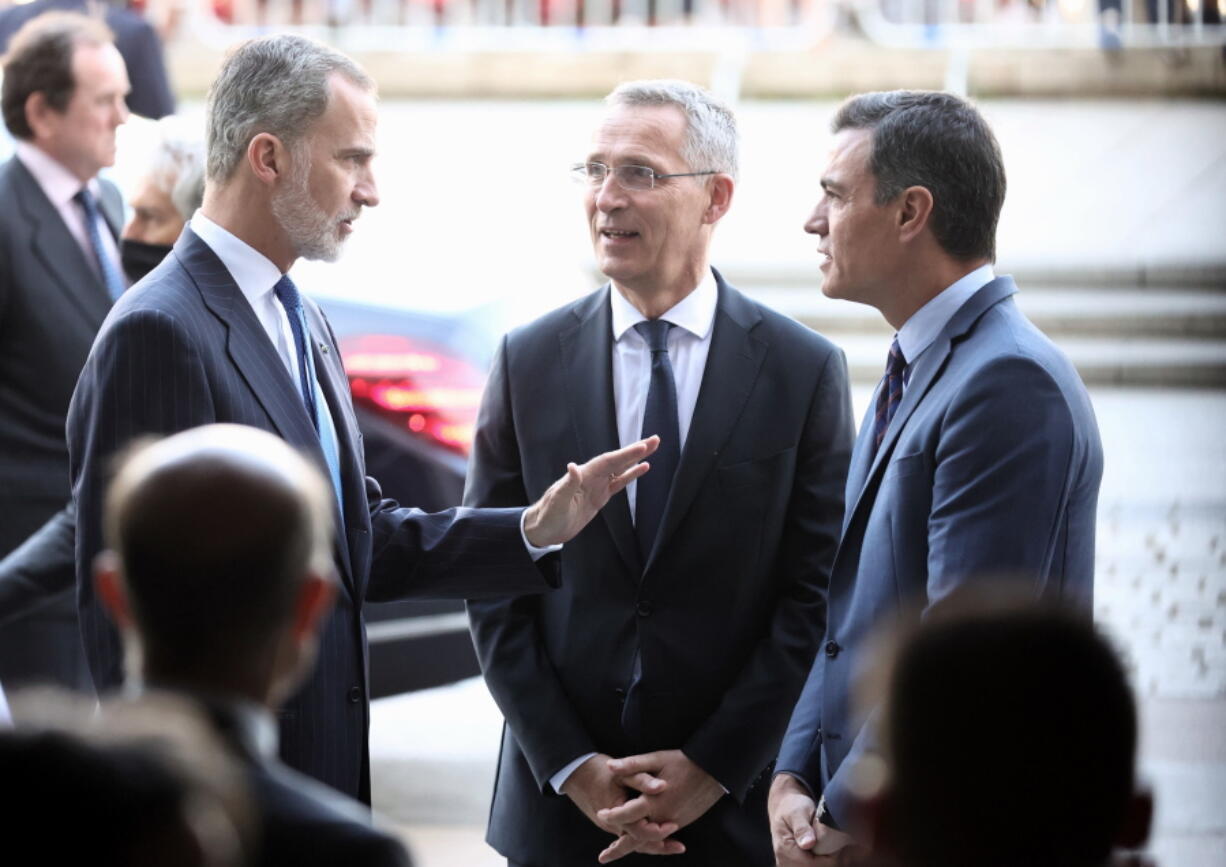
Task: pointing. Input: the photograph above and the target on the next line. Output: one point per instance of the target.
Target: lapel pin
(323, 347)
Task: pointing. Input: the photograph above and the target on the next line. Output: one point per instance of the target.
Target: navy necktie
(659, 418)
(110, 273)
(287, 294)
(889, 396)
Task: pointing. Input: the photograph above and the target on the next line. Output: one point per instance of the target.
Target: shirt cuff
(558, 780)
(534, 552)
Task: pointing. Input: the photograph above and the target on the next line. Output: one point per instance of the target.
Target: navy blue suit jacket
(52, 303)
(990, 468)
(183, 348)
(727, 608)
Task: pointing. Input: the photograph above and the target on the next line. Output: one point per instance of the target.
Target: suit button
(832, 648)
(355, 694)
(644, 608)
(817, 738)
(621, 694)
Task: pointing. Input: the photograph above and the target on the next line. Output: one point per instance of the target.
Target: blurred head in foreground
(132, 784)
(219, 565)
(1009, 735)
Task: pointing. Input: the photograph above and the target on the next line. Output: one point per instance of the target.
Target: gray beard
(312, 233)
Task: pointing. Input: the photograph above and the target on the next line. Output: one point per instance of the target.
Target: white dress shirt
(918, 332)
(59, 186)
(257, 277)
(689, 343)
(688, 346)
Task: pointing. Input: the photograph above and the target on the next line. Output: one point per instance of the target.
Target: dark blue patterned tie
(287, 294)
(659, 417)
(890, 394)
(110, 274)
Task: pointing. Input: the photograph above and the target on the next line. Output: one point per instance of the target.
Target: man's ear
(268, 158)
(108, 582)
(38, 111)
(1138, 818)
(722, 187)
(914, 212)
(315, 598)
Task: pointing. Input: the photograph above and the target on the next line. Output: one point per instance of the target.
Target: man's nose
(817, 223)
(367, 191)
(609, 194)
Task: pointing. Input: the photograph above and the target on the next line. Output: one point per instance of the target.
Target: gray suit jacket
(990, 468)
(183, 348)
(727, 608)
(52, 303)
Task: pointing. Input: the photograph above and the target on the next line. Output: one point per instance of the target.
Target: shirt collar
(918, 332)
(254, 273)
(695, 312)
(57, 183)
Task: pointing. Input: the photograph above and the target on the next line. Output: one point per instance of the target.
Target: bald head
(214, 531)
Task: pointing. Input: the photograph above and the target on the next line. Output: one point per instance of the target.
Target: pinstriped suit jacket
(183, 348)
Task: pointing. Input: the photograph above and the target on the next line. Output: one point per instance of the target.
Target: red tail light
(422, 386)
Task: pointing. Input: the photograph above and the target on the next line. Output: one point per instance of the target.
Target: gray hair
(275, 84)
(178, 166)
(710, 134)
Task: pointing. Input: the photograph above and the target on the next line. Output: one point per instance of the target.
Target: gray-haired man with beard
(219, 333)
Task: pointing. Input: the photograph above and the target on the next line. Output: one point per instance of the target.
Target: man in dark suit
(219, 333)
(690, 614)
(64, 85)
(979, 455)
(135, 38)
(218, 572)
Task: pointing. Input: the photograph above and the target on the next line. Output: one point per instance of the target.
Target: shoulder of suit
(783, 329)
(561, 318)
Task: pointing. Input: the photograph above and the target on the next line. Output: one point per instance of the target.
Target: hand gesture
(574, 499)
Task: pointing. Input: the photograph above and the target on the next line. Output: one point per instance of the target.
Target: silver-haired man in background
(646, 698)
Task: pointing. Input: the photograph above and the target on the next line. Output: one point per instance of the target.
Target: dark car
(416, 380)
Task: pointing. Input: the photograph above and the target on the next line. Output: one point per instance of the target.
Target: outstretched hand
(574, 499)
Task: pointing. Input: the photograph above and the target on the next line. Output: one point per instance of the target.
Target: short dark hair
(941, 142)
(39, 59)
(214, 544)
(1008, 717)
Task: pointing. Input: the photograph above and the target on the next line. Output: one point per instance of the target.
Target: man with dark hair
(136, 40)
(62, 99)
(979, 454)
(958, 782)
(218, 572)
(219, 333)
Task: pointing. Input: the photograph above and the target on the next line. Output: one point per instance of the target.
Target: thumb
(801, 829)
(630, 765)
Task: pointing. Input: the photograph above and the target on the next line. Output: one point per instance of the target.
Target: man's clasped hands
(643, 800)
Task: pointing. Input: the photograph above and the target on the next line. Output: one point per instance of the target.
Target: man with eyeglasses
(644, 700)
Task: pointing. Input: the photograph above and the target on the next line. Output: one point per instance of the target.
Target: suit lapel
(59, 253)
(732, 367)
(928, 367)
(587, 362)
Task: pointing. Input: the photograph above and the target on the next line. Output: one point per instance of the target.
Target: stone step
(1132, 361)
(1058, 311)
